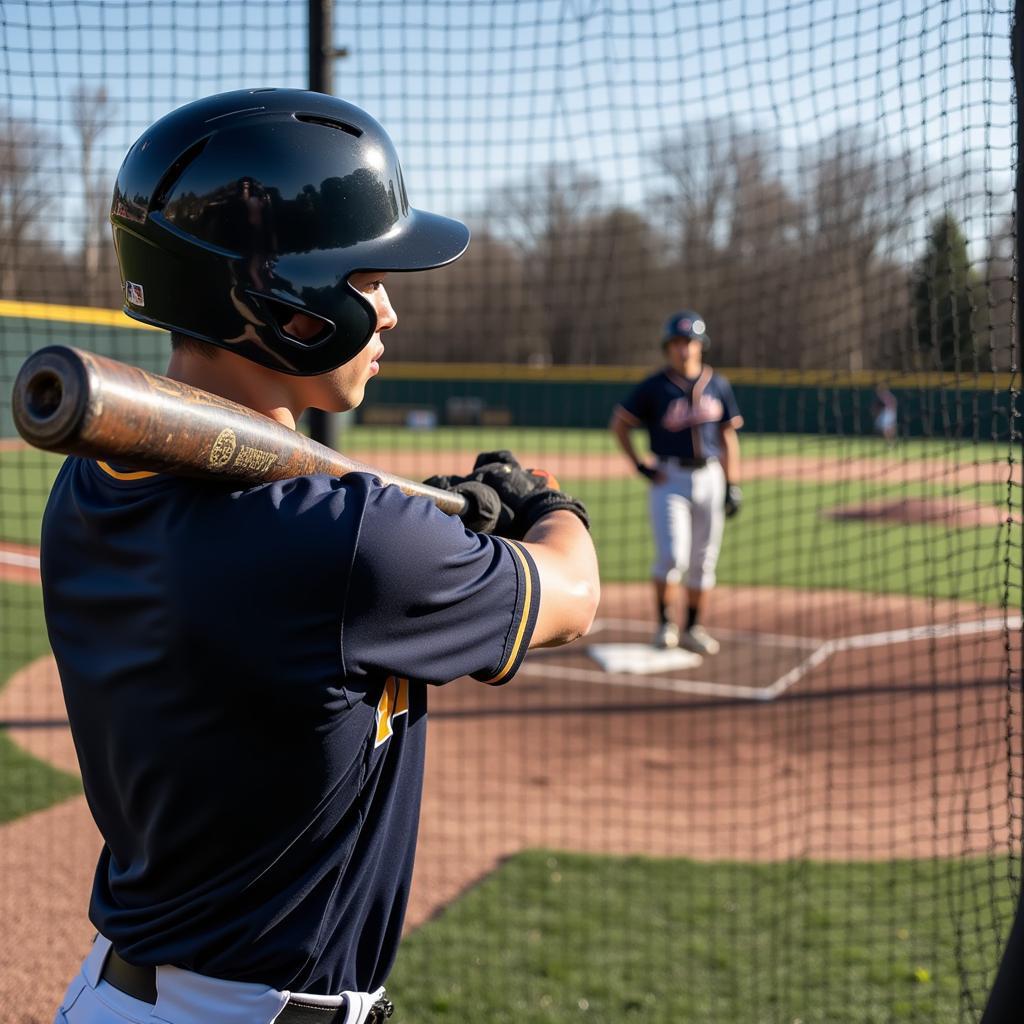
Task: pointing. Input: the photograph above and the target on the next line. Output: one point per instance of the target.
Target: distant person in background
(884, 411)
(691, 417)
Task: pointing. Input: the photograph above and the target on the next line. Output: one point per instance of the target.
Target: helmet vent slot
(174, 172)
(329, 122)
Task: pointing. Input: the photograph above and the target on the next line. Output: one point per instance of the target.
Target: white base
(641, 659)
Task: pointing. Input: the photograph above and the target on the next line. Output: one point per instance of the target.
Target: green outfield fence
(822, 823)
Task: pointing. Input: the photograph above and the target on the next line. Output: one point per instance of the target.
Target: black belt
(140, 983)
(684, 463)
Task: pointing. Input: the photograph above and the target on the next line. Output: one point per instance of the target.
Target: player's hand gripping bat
(75, 402)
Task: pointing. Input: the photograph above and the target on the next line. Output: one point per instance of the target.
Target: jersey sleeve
(731, 416)
(429, 600)
(635, 408)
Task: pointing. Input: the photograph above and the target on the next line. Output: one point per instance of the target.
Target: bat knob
(50, 396)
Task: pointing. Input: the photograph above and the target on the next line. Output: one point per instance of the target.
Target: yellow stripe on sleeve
(527, 608)
(118, 475)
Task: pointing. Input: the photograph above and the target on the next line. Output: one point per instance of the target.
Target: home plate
(639, 659)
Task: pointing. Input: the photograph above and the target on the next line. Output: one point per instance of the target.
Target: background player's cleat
(698, 639)
(667, 636)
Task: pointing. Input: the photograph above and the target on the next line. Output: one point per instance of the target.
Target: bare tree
(545, 217)
(732, 226)
(473, 312)
(24, 192)
(860, 204)
(619, 313)
(698, 167)
(91, 114)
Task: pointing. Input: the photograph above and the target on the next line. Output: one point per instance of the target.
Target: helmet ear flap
(354, 318)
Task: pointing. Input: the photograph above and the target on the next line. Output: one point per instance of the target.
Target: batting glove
(483, 506)
(648, 471)
(528, 494)
(733, 500)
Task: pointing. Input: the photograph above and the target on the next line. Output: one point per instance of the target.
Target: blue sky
(478, 92)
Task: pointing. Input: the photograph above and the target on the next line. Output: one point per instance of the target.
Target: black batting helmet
(686, 324)
(235, 212)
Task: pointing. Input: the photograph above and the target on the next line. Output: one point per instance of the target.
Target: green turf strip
(567, 937)
(26, 784)
(26, 476)
(586, 441)
(782, 537)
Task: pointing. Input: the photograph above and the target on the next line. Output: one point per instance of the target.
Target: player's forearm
(570, 585)
(731, 456)
(621, 430)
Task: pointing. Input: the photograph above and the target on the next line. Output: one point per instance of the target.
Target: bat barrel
(79, 403)
(50, 398)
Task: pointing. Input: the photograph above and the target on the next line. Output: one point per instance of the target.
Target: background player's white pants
(187, 998)
(688, 517)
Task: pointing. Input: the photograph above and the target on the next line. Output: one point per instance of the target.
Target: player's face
(342, 389)
(681, 351)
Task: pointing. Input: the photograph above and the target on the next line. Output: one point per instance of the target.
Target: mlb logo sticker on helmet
(134, 294)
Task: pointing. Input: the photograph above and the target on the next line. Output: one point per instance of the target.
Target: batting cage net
(821, 821)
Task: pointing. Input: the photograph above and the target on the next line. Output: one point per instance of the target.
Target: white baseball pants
(187, 998)
(688, 518)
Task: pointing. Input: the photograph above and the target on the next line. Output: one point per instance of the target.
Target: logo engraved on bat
(254, 458)
(223, 448)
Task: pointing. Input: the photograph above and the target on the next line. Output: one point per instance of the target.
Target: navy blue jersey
(245, 675)
(683, 417)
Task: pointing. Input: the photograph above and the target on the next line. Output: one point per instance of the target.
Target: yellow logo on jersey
(394, 701)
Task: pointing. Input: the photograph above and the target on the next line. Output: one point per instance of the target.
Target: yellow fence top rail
(527, 373)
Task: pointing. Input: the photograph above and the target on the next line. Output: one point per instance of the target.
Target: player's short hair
(183, 343)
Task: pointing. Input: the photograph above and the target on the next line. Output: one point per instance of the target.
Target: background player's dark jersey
(245, 679)
(683, 417)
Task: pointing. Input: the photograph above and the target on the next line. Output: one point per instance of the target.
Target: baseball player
(691, 418)
(884, 410)
(246, 671)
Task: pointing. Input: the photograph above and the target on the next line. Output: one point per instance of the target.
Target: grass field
(782, 538)
(481, 439)
(670, 941)
(28, 784)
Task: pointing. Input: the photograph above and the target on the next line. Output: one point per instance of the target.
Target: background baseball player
(246, 670)
(691, 417)
(884, 410)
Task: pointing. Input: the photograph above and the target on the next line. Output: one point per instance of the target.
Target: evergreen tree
(945, 293)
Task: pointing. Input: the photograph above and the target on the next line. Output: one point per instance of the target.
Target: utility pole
(322, 54)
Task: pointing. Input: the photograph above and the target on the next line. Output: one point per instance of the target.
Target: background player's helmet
(686, 324)
(234, 213)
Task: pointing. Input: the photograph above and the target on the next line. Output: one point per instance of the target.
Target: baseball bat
(79, 403)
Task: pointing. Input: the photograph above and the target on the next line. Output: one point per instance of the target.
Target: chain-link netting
(821, 822)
